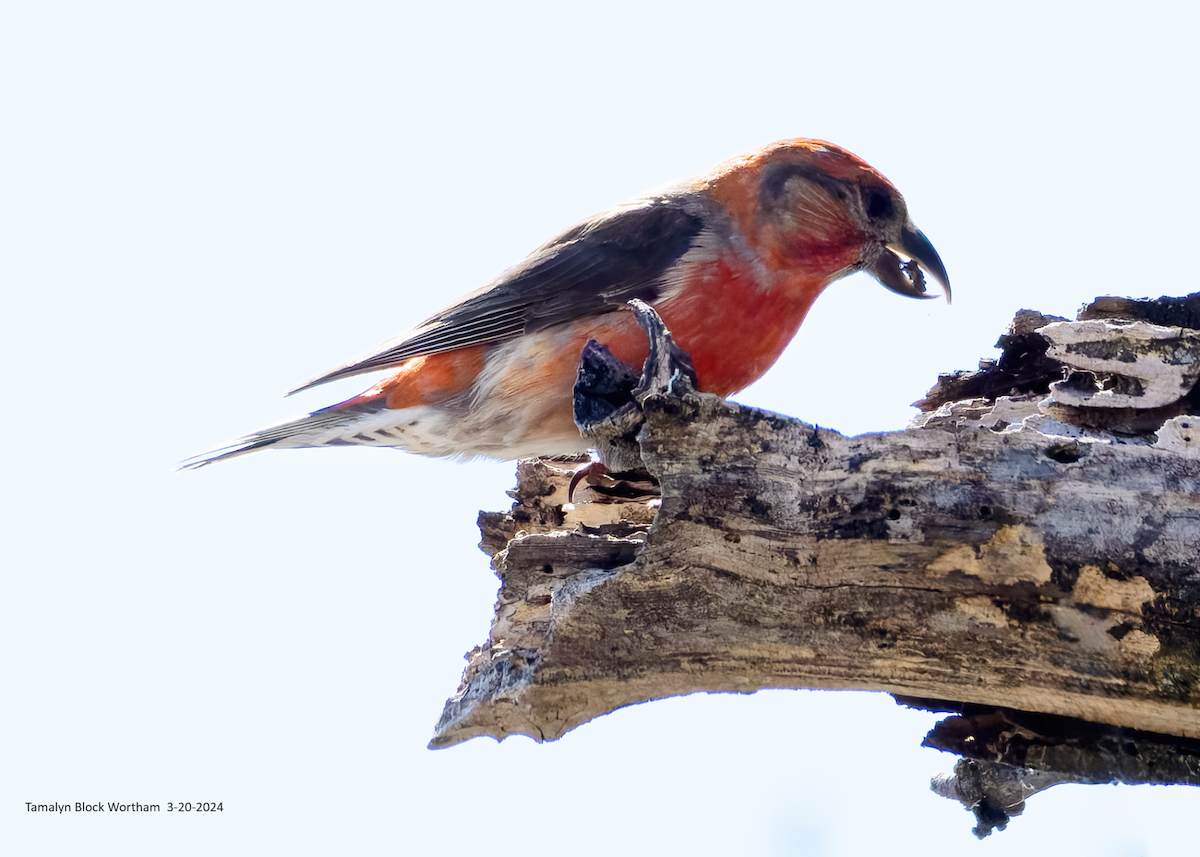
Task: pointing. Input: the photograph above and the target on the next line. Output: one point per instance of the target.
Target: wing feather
(624, 253)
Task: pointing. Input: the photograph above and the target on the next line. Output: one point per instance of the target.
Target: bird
(731, 259)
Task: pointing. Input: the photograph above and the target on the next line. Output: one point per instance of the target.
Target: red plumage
(732, 260)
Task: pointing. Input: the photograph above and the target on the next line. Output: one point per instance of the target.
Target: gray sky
(202, 205)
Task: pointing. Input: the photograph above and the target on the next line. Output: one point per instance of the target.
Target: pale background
(203, 204)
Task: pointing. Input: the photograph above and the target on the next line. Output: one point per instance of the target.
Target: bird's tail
(339, 425)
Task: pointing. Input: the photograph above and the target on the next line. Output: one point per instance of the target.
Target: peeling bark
(1024, 553)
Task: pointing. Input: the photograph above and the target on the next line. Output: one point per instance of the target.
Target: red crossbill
(732, 260)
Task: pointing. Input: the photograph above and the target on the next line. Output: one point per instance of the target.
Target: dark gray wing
(597, 266)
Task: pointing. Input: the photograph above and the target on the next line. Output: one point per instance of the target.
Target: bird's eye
(877, 203)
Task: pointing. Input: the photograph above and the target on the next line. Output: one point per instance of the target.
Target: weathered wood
(1011, 568)
(1003, 553)
(1010, 755)
(1031, 555)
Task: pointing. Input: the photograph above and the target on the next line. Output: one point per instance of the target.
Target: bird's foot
(617, 486)
(608, 394)
(668, 368)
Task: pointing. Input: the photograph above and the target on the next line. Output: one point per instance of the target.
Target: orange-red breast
(732, 260)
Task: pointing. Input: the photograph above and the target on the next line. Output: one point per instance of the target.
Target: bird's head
(823, 211)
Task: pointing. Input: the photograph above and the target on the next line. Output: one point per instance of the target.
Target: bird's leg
(668, 368)
(608, 399)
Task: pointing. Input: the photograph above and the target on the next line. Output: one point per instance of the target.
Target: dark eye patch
(877, 203)
(777, 176)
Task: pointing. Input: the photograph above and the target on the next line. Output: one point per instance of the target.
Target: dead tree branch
(1028, 548)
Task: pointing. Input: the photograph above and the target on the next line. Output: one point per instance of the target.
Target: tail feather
(326, 427)
(239, 447)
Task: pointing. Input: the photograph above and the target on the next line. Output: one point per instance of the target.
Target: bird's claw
(608, 395)
(667, 365)
(637, 484)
